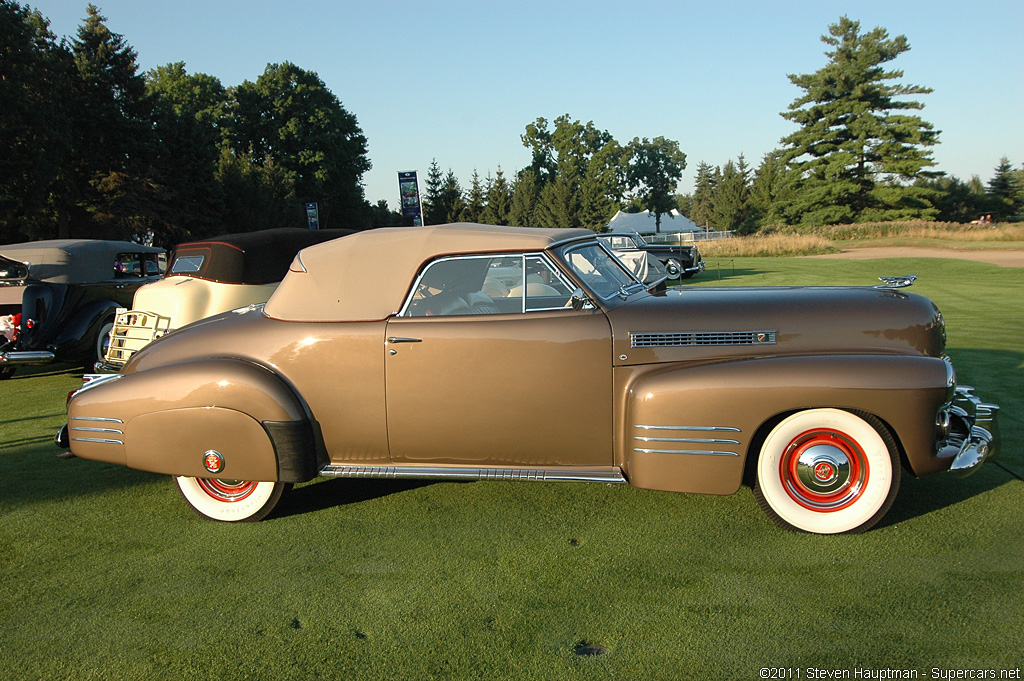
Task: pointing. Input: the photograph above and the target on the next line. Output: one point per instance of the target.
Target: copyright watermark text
(887, 673)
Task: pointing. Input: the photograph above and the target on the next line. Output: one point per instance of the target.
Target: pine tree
(499, 200)
(703, 193)
(36, 79)
(1002, 191)
(432, 210)
(525, 196)
(475, 200)
(451, 204)
(855, 134)
(771, 189)
(731, 207)
(111, 191)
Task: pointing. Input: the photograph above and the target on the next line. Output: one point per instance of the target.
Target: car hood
(722, 323)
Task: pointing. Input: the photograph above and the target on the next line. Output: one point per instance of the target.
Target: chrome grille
(701, 338)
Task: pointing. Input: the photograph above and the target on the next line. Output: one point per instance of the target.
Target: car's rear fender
(172, 418)
(690, 428)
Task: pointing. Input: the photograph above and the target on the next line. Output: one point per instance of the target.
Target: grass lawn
(105, 573)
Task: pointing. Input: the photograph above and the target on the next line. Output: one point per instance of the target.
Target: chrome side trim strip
(96, 439)
(114, 431)
(699, 452)
(710, 429)
(96, 418)
(692, 440)
(609, 475)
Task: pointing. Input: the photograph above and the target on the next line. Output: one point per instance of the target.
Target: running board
(609, 474)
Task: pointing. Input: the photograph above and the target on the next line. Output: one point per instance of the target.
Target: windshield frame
(632, 284)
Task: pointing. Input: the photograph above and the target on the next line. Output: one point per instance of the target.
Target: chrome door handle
(399, 339)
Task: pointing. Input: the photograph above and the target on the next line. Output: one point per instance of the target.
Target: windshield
(601, 271)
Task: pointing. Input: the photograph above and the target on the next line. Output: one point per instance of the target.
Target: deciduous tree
(188, 112)
(653, 170)
(289, 116)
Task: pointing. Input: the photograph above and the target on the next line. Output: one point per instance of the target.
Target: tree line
(92, 148)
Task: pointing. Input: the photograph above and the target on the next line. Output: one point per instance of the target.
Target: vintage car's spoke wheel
(827, 471)
(231, 500)
(673, 269)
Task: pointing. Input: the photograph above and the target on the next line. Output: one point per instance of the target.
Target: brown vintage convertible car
(530, 354)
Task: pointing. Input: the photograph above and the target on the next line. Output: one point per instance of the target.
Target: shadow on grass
(920, 497)
(340, 492)
(28, 418)
(27, 372)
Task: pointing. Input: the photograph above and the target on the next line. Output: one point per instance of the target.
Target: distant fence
(684, 237)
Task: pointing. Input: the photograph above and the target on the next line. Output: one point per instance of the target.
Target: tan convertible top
(367, 275)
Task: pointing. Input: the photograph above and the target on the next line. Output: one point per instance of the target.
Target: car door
(511, 377)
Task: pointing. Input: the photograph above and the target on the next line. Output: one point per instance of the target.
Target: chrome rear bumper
(25, 357)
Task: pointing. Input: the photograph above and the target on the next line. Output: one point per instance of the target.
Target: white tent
(644, 223)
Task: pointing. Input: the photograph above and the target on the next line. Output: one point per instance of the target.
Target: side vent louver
(699, 338)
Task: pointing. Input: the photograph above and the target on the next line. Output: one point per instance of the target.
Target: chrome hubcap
(824, 470)
(228, 491)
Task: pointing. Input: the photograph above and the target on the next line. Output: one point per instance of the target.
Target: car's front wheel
(231, 500)
(827, 471)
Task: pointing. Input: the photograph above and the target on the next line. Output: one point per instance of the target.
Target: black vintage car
(58, 297)
(681, 262)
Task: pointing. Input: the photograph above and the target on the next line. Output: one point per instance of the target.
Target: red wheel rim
(228, 491)
(824, 470)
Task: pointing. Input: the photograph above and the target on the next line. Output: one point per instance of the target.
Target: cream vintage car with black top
(463, 352)
(204, 278)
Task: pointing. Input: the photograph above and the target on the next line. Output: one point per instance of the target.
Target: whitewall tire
(827, 471)
(231, 500)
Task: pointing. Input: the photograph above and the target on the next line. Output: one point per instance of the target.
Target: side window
(128, 265)
(482, 285)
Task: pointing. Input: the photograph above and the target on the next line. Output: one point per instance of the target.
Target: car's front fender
(168, 419)
(690, 428)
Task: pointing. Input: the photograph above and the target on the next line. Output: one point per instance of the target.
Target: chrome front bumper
(973, 432)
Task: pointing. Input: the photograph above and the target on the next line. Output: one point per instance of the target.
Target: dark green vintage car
(58, 298)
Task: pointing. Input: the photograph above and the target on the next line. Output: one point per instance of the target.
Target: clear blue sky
(459, 81)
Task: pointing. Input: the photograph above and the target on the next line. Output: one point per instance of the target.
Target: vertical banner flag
(312, 216)
(409, 191)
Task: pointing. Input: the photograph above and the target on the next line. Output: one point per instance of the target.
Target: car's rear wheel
(827, 471)
(231, 500)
